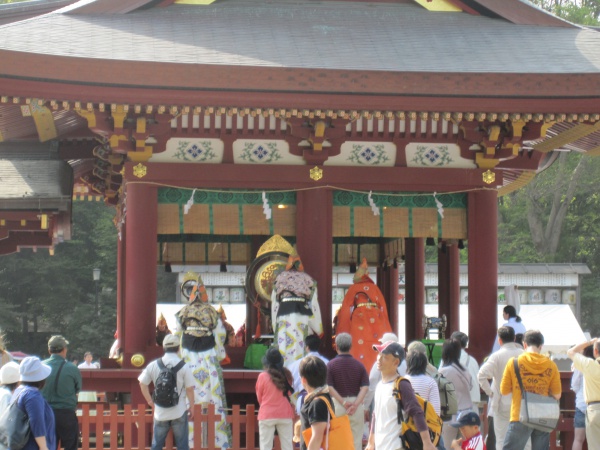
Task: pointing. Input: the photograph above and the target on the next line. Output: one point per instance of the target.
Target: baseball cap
(390, 348)
(466, 419)
(388, 337)
(9, 374)
(170, 341)
(57, 342)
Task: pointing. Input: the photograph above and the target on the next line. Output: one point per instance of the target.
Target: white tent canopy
(556, 322)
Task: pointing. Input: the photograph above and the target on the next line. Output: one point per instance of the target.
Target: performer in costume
(230, 332)
(295, 311)
(364, 316)
(202, 349)
(162, 329)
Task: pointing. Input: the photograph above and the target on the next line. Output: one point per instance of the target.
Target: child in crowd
(273, 390)
(469, 424)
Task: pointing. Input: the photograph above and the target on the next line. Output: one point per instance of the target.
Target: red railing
(104, 426)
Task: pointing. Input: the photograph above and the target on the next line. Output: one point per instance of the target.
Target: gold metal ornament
(265, 277)
(140, 170)
(276, 244)
(489, 177)
(138, 360)
(316, 173)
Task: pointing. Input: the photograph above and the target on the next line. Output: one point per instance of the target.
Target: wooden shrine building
(424, 111)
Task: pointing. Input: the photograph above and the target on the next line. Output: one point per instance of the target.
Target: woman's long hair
(282, 379)
(511, 312)
(451, 353)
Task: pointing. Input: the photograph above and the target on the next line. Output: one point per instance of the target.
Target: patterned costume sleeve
(315, 323)
(220, 333)
(274, 309)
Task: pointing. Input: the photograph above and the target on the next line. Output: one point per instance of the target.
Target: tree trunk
(547, 237)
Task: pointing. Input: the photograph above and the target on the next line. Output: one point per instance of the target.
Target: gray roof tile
(334, 35)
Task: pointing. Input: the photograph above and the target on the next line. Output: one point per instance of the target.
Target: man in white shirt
(87, 363)
(312, 343)
(493, 369)
(174, 417)
(375, 373)
(385, 429)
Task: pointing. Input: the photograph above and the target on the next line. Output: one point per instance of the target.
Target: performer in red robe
(364, 315)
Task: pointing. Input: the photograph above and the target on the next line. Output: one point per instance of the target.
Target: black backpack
(165, 387)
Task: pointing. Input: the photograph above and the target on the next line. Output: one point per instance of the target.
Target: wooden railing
(104, 426)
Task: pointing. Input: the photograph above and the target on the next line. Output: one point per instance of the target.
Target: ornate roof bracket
(497, 141)
(320, 134)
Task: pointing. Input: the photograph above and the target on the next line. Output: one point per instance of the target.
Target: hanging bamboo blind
(226, 216)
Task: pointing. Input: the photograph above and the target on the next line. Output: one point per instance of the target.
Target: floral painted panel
(220, 295)
(180, 150)
(237, 295)
(247, 151)
(367, 154)
(436, 155)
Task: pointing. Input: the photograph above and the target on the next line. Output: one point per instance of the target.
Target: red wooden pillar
(483, 271)
(387, 282)
(415, 289)
(392, 298)
(121, 280)
(314, 241)
(449, 287)
(139, 320)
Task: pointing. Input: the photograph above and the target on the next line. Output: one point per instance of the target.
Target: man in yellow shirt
(591, 388)
(540, 376)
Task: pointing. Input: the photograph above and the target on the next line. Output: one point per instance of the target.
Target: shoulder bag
(540, 412)
(14, 427)
(339, 433)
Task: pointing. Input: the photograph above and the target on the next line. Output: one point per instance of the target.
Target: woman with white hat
(33, 374)
(9, 377)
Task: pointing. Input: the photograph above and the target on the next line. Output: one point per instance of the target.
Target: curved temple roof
(392, 62)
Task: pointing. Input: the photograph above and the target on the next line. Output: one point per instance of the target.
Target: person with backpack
(33, 375)
(460, 377)
(423, 384)
(469, 363)
(447, 391)
(171, 377)
(385, 426)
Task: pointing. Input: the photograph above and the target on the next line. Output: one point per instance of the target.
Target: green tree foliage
(56, 294)
(529, 223)
(583, 12)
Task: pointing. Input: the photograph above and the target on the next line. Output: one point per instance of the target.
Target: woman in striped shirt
(423, 384)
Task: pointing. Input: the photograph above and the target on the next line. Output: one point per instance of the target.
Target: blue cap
(467, 419)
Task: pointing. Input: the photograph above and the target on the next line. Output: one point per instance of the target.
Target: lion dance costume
(202, 349)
